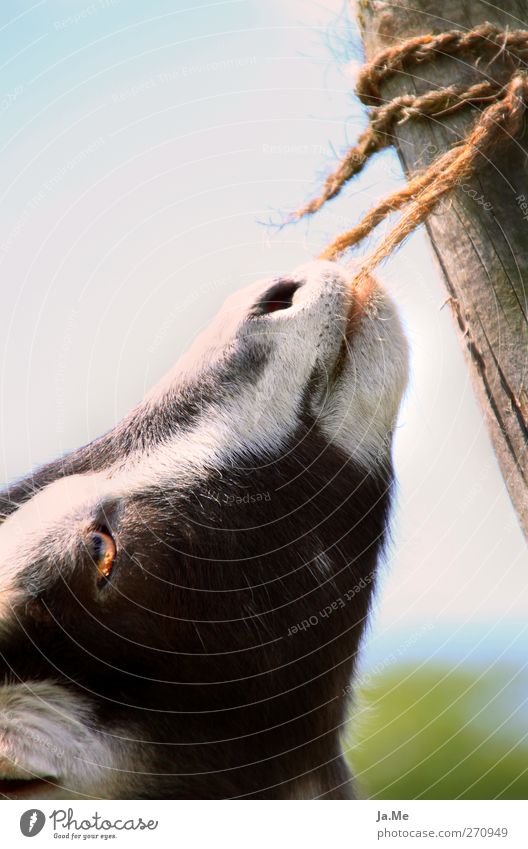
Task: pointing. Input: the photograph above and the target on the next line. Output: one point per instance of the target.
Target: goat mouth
(25, 788)
(358, 299)
(360, 293)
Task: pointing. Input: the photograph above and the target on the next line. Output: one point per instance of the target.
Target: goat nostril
(278, 297)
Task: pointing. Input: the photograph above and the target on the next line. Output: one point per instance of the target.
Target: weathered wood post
(480, 235)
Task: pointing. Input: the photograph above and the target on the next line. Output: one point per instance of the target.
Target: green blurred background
(443, 729)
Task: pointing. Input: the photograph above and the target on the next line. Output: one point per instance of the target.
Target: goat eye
(103, 551)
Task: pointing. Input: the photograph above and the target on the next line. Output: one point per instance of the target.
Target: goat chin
(183, 599)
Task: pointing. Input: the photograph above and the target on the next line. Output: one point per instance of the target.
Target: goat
(183, 599)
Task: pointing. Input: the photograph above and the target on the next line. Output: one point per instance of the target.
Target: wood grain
(480, 236)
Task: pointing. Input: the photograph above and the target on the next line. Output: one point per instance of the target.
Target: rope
(504, 115)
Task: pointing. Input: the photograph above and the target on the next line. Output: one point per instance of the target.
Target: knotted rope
(505, 114)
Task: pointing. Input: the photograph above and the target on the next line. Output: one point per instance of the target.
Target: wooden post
(480, 235)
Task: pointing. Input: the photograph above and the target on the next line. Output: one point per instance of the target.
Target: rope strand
(416, 201)
(455, 166)
(379, 132)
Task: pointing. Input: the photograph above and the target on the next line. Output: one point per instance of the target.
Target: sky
(147, 150)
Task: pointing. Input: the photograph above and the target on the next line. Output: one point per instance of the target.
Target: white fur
(45, 733)
(364, 405)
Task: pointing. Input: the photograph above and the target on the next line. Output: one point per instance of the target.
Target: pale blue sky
(142, 145)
